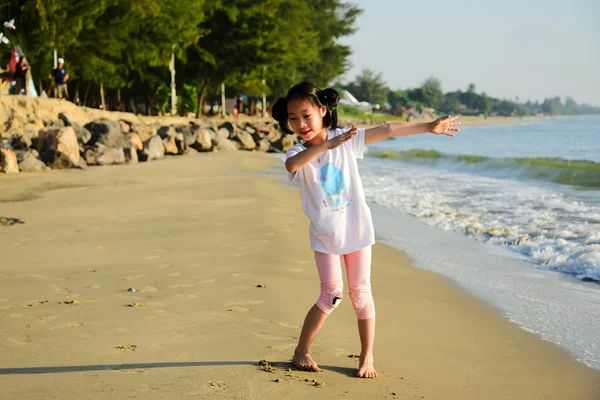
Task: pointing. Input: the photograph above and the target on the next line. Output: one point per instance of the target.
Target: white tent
(348, 99)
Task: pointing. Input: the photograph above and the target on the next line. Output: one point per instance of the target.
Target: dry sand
(194, 236)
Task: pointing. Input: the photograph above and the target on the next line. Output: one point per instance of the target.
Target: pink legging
(358, 270)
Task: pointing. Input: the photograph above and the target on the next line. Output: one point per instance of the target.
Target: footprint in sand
(49, 318)
(123, 330)
(265, 241)
(174, 275)
(126, 347)
(183, 285)
(149, 289)
(148, 258)
(239, 309)
(163, 266)
(100, 247)
(286, 325)
(269, 336)
(194, 265)
(6, 307)
(133, 277)
(37, 276)
(209, 281)
(236, 274)
(75, 324)
(93, 286)
(19, 342)
(244, 303)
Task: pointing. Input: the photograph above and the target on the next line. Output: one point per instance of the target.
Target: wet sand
(195, 236)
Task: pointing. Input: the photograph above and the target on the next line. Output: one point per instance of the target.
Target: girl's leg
(358, 268)
(330, 275)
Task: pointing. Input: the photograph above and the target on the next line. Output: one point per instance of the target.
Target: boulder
(226, 126)
(136, 140)
(28, 162)
(19, 142)
(153, 149)
(245, 139)
(264, 145)
(8, 161)
(170, 145)
(111, 155)
(59, 148)
(125, 126)
(203, 140)
(220, 143)
(131, 155)
(107, 132)
(223, 133)
(144, 131)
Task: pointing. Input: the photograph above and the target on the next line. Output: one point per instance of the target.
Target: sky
(525, 49)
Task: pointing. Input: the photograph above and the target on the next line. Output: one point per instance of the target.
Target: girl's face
(306, 119)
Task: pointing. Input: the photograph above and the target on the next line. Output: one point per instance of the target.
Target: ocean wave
(557, 170)
(550, 229)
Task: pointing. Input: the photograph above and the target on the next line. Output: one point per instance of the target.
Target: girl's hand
(339, 139)
(445, 126)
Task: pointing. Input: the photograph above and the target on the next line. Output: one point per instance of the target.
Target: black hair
(307, 91)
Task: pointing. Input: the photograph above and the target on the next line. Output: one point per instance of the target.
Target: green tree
(369, 86)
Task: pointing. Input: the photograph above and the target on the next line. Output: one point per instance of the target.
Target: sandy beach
(217, 252)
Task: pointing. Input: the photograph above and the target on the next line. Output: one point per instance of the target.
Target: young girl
(333, 198)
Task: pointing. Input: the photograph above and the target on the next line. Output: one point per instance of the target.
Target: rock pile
(63, 143)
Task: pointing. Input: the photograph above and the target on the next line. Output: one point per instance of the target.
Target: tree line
(370, 86)
(125, 46)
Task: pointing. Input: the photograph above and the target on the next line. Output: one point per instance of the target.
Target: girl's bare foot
(302, 360)
(366, 368)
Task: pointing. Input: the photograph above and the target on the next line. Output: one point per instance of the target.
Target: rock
(131, 155)
(245, 139)
(83, 135)
(203, 140)
(137, 141)
(264, 145)
(190, 150)
(107, 132)
(287, 142)
(250, 129)
(223, 133)
(153, 149)
(226, 126)
(8, 161)
(166, 132)
(111, 155)
(28, 162)
(65, 119)
(58, 123)
(225, 144)
(125, 126)
(19, 142)
(189, 134)
(144, 131)
(170, 145)
(59, 148)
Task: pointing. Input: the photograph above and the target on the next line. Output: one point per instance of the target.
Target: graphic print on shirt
(336, 191)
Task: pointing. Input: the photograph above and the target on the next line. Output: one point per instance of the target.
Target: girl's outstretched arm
(441, 126)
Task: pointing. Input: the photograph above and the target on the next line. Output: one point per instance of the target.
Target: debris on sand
(126, 347)
(136, 305)
(73, 302)
(265, 366)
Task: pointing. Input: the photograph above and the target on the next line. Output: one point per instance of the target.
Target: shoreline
(195, 257)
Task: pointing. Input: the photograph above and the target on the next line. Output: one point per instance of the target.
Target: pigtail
(280, 114)
(330, 98)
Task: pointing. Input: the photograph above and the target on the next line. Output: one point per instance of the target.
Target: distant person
(61, 76)
(20, 75)
(239, 105)
(333, 198)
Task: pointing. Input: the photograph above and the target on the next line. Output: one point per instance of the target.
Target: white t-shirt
(333, 197)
